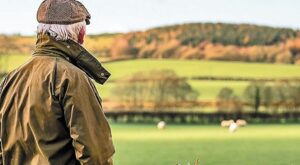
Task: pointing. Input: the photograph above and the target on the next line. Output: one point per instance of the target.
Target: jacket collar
(74, 53)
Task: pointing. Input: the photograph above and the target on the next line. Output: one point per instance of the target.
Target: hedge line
(199, 118)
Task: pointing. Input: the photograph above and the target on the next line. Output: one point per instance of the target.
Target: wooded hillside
(227, 42)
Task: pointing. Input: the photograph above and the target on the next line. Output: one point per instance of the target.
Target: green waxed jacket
(50, 110)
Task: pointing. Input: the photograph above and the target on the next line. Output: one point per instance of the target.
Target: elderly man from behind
(51, 113)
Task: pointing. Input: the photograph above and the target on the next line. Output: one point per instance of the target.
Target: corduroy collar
(74, 53)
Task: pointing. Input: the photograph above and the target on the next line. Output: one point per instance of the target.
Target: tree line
(156, 90)
(273, 98)
(163, 90)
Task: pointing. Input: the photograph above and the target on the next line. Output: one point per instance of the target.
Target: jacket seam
(2, 84)
(54, 79)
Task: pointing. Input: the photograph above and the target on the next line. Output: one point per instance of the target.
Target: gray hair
(62, 32)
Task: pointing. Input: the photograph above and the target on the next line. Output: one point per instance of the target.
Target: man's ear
(81, 35)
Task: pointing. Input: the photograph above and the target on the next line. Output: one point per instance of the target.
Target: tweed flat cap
(62, 12)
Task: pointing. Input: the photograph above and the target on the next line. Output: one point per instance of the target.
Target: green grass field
(189, 68)
(212, 145)
(11, 62)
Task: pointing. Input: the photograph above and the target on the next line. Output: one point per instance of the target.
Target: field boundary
(199, 118)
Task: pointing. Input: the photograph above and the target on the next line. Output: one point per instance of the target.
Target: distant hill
(209, 41)
(228, 42)
(226, 34)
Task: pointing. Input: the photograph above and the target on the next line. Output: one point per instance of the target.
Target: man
(50, 110)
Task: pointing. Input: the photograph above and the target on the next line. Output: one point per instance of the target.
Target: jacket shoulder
(68, 68)
(69, 74)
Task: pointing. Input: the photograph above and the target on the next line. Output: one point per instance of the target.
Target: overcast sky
(19, 16)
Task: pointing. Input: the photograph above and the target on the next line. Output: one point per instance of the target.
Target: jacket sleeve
(2, 84)
(1, 88)
(86, 121)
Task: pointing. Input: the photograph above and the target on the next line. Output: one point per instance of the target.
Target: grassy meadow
(190, 68)
(212, 145)
(11, 62)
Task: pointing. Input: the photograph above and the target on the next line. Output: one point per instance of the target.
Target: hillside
(208, 41)
(227, 42)
(225, 34)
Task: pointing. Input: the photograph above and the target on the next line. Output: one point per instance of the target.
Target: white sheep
(161, 125)
(226, 123)
(233, 127)
(241, 123)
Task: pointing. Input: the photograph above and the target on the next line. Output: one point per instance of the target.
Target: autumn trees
(268, 97)
(226, 42)
(154, 90)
